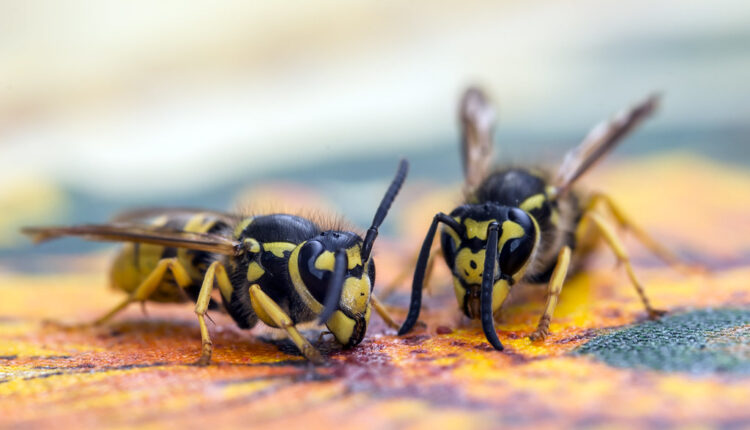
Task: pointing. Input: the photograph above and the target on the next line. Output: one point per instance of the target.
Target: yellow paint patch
(254, 271)
(477, 229)
(534, 202)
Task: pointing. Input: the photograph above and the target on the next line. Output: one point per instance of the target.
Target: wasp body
(281, 269)
(521, 226)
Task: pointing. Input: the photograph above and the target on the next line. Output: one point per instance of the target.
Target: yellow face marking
(252, 245)
(325, 261)
(356, 294)
(511, 230)
(452, 234)
(254, 271)
(534, 202)
(354, 255)
(278, 248)
(367, 313)
(242, 226)
(341, 326)
(469, 265)
(460, 292)
(299, 286)
(477, 229)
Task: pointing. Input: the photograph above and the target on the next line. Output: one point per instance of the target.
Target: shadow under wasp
(519, 225)
(281, 269)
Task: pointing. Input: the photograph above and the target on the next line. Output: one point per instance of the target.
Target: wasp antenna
(335, 287)
(488, 278)
(385, 205)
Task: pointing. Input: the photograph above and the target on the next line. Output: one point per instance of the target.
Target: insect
(521, 225)
(280, 269)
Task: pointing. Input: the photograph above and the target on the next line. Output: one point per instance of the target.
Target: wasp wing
(138, 234)
(141, 214)
(601, 140)
(477, 119)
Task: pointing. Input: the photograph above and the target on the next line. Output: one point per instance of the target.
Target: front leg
(282, 320)
(553, 293)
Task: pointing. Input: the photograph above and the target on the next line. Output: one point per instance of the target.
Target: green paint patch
(702, 341)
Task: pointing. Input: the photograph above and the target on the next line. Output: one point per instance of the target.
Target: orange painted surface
(136, 371)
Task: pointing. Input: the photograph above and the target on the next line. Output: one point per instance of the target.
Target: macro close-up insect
(281, 269)
(521, 225)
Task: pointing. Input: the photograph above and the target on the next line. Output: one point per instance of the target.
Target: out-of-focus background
(107, 105)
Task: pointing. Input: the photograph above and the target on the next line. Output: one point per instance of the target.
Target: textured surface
(136, 370)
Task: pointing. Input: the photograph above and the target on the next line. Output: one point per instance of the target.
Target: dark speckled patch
(702, 341)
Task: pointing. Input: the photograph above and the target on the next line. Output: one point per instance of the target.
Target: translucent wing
(138, 234)
(477, 126)
(142, 214)
(601, 140)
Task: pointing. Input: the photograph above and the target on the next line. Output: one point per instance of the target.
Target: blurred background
(107, 105)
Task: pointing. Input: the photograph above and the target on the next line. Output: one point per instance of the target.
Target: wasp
(521, 225)
(281, 269)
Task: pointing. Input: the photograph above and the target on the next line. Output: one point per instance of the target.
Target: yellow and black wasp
(281, 269)
(520, 225)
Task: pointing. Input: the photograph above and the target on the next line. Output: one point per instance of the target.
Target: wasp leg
(624, 221)
(383, 312)
(282, 320)
(407, 272)
(216, 272)
(553, 293)
(614, 243)
(150, 284)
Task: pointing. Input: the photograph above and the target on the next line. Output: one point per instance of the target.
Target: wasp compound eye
(518, 241)
(315, 268)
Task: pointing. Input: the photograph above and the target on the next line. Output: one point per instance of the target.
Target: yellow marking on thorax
(477, 229)
(534, 202)
(278, 248)
(511, 230)
(299, 285)
(254, 271)
(242, 226)
(252, 245)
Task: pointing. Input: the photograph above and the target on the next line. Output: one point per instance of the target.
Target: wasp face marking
(465, 253)
(315, 264)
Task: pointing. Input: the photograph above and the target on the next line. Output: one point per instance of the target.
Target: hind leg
(149, 285)
(608, 233)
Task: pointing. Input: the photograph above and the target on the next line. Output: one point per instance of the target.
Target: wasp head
(465, 246)
(332, 269)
